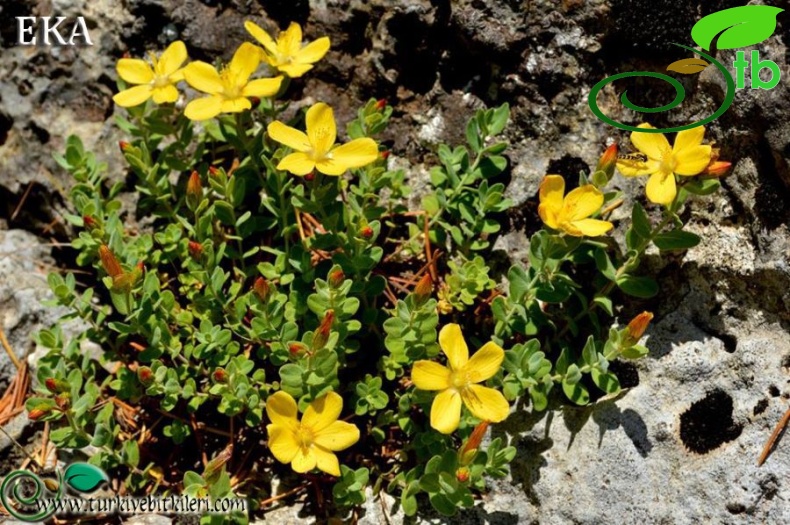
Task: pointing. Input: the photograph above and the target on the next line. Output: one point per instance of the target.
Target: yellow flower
(230, 89)
(312, 442)
(158, 81)
(316, 149)
(569, 213)
(288, 55)
(687, 157)
(457, 382)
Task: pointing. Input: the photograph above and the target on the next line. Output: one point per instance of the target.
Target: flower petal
(592, 227)
(326, 461)
(134, 71)
(164, 94)
(204, 108)
(313, 52)
(428, 375)
(321, 130)
(261, 36)
(654, 145)
(282, 443)
(133, 96)
(297, 163)
(691, 161)
(446, 411)
(581, 203)
(337, 436)
(294, 70)
(289, 42)
(637, 168)
(172, 58)
(688, 138)
(485, 362)
(552, 189)
(661, 187)
(304, 460)
(244, 63)
(281, 409)
(322, 412)
(451, 340)
(291, 137)
(203, 77)
(485, 403)
(354, 154)
(262, 87)
(235, 105)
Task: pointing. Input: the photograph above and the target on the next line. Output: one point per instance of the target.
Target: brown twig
(11, 355)
(769, 446)
(22, 201)
(291, 492)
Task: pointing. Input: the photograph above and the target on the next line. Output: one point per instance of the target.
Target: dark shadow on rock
(609, 417)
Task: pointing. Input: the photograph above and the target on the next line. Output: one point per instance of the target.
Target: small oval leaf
(687, 66)
(84, 477)
(739, 27)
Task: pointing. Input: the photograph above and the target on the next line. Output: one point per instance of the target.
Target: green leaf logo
(736, 27)
(84, 477)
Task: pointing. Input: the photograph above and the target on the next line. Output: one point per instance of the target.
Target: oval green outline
(725, 105)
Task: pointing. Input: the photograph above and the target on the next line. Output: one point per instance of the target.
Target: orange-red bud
(145, 375)
(636, 328)
(297, 349)
(424, 288)
(220, 375)
(109, 262)
(262, 288)
(310, 176)
(381, 104)
(385, 154)
(608, 161)
(366, 232)
(63, 401)
(336, 278)
(194, 191)
(468, 452)
(462, 475)
(51, 385)
(214, 171)
(37, 414)
(123, 145)
(89, 222)
(195, 249)
(717, 168)
(321, 335)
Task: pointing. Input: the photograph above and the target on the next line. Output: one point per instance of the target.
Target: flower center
(230, 83)
(304, 436)
(668, 161)
(460, 379)
(161, 81)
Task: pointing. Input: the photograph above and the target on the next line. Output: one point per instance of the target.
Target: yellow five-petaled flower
(229, 90)
(311, 442)
(156, 80)
(287, 54)
(687, 157)
(570, 213)
(316, 149)
(457, 382)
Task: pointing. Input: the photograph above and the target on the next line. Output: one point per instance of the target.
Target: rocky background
(681, 445)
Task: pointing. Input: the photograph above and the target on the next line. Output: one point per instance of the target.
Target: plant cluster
(281, 309)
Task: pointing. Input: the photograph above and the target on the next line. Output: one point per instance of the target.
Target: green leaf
(739, 27)
(640, 221)
(643, 287)
(676, 240)
(700, 186)
(606, 381)
(84, 477)
(604, 264)
(576, 392)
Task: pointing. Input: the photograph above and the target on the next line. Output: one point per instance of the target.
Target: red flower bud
(717, 168)
(51, 385)
(145, 375)
(321, 335)
(366, 232)
(297, 349)
(195, 250)
(194, 191)
(385, 154)
(608, 161)
(214, 171)
(262, 288)
(220, 375)
(336, 278)
(381, 104)
(89, 222)
(424, 288)
(462, 475)
(109, 262)
(255, 101)
(310, 176)
(63, 401)
(37, 414)
(636, 328)
(123, 145)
